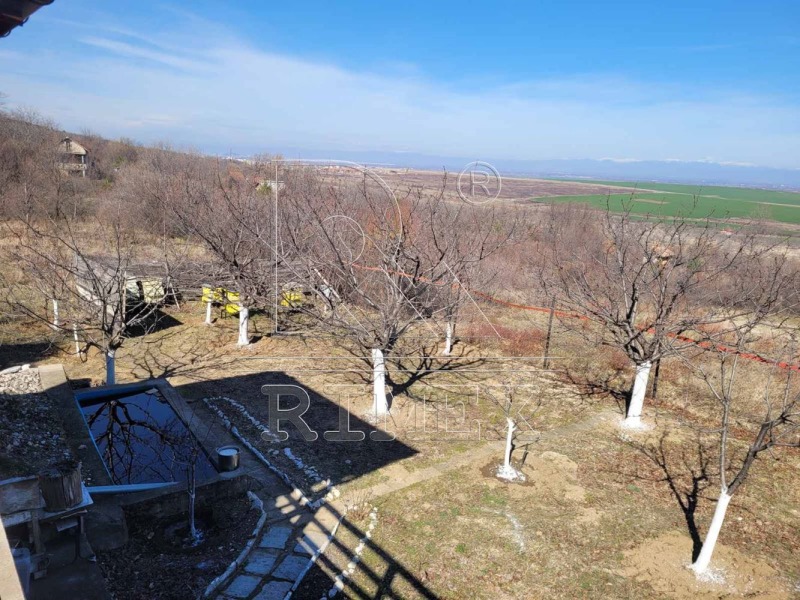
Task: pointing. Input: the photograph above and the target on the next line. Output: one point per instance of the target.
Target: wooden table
(21, 502)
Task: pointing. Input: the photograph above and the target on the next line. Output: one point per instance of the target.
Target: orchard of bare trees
(389, 271)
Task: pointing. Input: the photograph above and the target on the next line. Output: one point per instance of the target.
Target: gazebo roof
(70, 146)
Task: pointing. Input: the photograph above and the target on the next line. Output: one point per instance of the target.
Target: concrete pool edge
(107, 519)
(210, 434)
(178, 406)
(79, 439)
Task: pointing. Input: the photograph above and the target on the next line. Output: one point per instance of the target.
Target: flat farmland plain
(694, 201)
(645, 198)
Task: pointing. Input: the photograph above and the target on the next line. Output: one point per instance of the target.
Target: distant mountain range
(665, 171)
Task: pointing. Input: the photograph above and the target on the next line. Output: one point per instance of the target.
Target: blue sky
(714, 81)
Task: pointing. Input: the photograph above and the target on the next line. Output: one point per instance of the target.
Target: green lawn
(698, 201)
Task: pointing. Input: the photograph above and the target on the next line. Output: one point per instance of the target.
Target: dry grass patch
(587, 507)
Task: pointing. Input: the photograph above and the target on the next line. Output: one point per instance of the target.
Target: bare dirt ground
(158, 547)
(581, 526)
(32, 436)
(661, 563)
(644, 201)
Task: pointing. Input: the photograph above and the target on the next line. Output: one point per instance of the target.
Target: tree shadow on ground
(154, 323)
(191, 357)
(607, 386)
(408, 371)
(687, 473)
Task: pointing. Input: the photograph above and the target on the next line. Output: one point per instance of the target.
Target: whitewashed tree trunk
(244, 319)
(507, 471)
(701, 564)
(448, 339)
(510, 427)
(75, 337)
(380, 405)
(56, 322)
(634, 416)
(208, 313)
(110, 367)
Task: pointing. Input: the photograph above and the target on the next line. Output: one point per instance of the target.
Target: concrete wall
(177, 502)
(10, 588)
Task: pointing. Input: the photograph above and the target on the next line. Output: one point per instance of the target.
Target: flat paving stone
(242, 586)
(291, 567)
(300, 518)
(276, 537)
(260, 562)
(274, 590)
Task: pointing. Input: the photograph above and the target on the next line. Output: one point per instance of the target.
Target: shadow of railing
(337, 460)
(322, 576)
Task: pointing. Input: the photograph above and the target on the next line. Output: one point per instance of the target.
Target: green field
(696, 201)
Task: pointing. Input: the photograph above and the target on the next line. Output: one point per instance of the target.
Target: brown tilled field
(512, 188)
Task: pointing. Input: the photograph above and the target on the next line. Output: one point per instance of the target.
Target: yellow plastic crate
(231, 300)
(220, 296)
(292, 298)
(212, 294)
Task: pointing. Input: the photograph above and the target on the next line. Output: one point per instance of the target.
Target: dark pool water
(142, 440)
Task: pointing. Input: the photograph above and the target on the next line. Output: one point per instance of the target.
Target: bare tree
(88, 267)
(644, 282)
(516, 414)
(186, 452)
(49, 213)
(386, 267)
(219, 206)
(31, 173)
(749, 426)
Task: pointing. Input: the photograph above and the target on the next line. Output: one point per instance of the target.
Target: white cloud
(129, 50)
(207, 88)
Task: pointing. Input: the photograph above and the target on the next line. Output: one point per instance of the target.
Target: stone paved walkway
(293, 533)
(283, 551)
